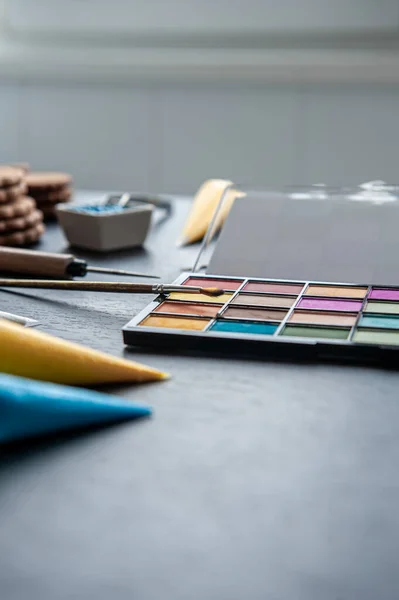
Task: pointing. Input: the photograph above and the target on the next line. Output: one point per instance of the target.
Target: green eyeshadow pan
(387, 308)
(315, 332)
(364, 336)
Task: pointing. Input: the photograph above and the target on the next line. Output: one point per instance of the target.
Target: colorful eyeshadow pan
(336, 291)
(188, 308)
(274, 318)
(175, 323)
(266, 301)
(379, 322)
(322, 318)
(244, 327)
(256, 314)
(362, 336)
(389, 308)
(315, 332)
(188, 297)
(230, 285)
(274, 288)
(327, 304)
(384, 294)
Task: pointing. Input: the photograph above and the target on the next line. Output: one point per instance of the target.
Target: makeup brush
(109, 286)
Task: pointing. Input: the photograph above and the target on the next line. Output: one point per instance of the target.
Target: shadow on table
(13, 453)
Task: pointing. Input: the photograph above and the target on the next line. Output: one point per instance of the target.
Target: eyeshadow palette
(259, 317)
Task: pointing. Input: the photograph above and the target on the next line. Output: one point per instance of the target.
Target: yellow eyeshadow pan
(331, 291)
(175, 323)
(188, 297)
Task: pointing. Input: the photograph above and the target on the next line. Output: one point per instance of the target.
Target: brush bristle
(212, 291)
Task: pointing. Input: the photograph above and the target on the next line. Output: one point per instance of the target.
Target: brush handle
(31, 262)
(82, 286)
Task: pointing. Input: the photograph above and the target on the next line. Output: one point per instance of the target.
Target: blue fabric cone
(30, 408)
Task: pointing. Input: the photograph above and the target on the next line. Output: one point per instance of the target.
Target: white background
(206, 16)
(316, 100)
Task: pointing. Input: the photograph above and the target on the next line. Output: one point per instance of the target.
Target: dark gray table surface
(255, 480)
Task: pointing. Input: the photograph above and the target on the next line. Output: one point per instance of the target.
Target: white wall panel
(352, 134)
(172, 138)
(201, 16)
(100, 134)
(249, 136)
(10, 129)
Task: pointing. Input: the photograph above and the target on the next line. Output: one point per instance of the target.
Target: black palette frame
(258, 345)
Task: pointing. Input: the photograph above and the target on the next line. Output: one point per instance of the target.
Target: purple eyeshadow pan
(384, 294)
(330, 304)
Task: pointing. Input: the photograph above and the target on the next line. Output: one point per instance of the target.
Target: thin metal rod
(124, 200)
(120, 272)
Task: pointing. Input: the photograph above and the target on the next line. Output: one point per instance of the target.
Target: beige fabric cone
(203, 209)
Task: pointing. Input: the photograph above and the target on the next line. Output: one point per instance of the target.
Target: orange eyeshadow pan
(188, 308)
(175, 323)
(336, 291)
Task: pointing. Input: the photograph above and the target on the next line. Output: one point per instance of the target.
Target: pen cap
(31, 262)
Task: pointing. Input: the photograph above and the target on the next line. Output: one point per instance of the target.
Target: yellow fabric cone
(204, 205)
(36, 355)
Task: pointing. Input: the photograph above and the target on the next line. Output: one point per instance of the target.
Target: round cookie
(49, 213)
(10, 176)
(52, 196)
(24, 166)
(21, 223)
(11, 193)
(19, 208)
(47, 180)
(23, 238)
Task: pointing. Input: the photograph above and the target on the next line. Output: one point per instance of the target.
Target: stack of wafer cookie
(20, 221)
(49, 189)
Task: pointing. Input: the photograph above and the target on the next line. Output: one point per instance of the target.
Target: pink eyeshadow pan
(230, 285)
(327, 304)
(384, 294)
(276, 288)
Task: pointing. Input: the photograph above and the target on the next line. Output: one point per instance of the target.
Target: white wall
(292, 91)
(171, 137)
(200, 17)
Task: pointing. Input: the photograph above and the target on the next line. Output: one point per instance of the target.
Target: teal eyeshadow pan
(244, 327)
(388, 322)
